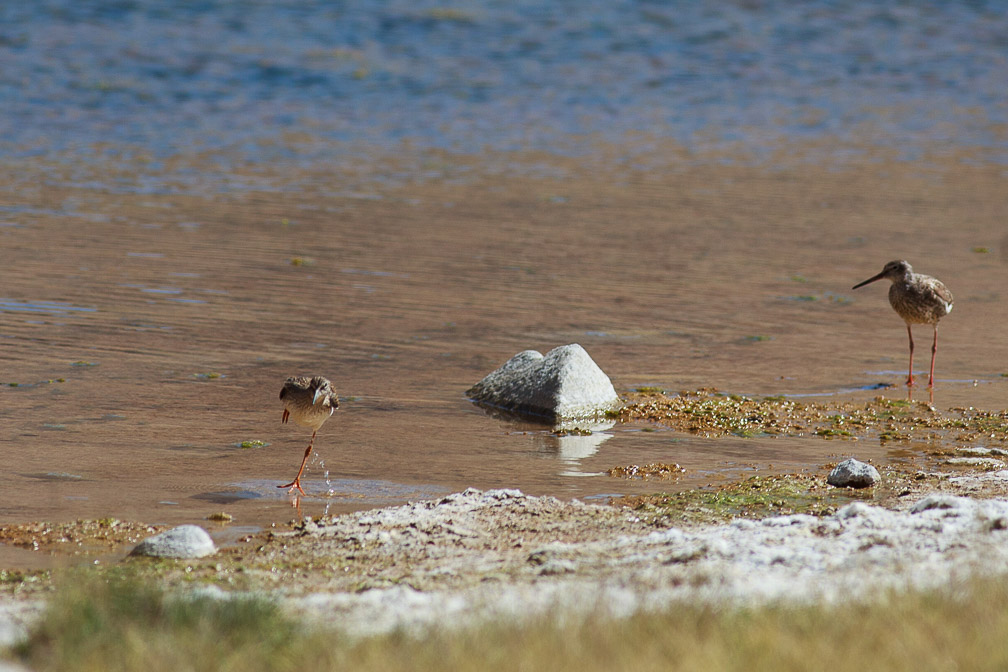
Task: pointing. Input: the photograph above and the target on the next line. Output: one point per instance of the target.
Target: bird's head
(893, 271)
(322, 387)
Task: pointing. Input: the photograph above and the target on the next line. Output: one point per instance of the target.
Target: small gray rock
(852, 473)
(564, 384)
(974, 451)
(939, 502)
(988, 462)
(556, 567)
(184, 541)
(855, 510)
(980, 451)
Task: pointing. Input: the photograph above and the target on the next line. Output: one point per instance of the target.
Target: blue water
(303, 80)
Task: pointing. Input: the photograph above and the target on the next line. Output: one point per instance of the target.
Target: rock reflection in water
(570, 441)
(575, 443)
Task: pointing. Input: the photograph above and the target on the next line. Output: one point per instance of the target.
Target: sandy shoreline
(503, 556)
(621, 568)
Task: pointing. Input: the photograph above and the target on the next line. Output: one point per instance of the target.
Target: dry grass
(115, 622)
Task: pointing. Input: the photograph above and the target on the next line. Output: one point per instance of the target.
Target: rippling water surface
(169, 77)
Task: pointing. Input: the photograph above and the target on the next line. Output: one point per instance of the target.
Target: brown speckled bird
(309, 402)
(919, 299)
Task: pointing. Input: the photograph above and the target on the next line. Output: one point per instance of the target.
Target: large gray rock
(184, 541)
(565, 384)
(852, 473)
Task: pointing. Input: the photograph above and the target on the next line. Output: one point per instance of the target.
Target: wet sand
(146, 332)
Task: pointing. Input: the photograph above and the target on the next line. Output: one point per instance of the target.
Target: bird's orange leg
(285, 416)
(910, 378)
(296, 483)
(934, 351)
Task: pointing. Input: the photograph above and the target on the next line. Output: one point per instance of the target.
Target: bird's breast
(310, 415)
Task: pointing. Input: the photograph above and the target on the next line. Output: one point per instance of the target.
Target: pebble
(853, 473)
(184, 541)
(988, 462)
(940, 501)
(980, 451)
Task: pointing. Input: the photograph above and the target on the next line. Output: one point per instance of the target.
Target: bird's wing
(942, 292)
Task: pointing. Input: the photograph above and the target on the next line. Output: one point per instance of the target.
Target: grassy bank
(113, 621)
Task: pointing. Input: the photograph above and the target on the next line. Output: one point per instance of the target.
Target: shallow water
(196, 204)
(127, 402)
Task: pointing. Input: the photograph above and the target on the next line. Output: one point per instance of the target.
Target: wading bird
(919, 299)
(308, 402)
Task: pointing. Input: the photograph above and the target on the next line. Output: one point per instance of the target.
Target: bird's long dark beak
(871, 279)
